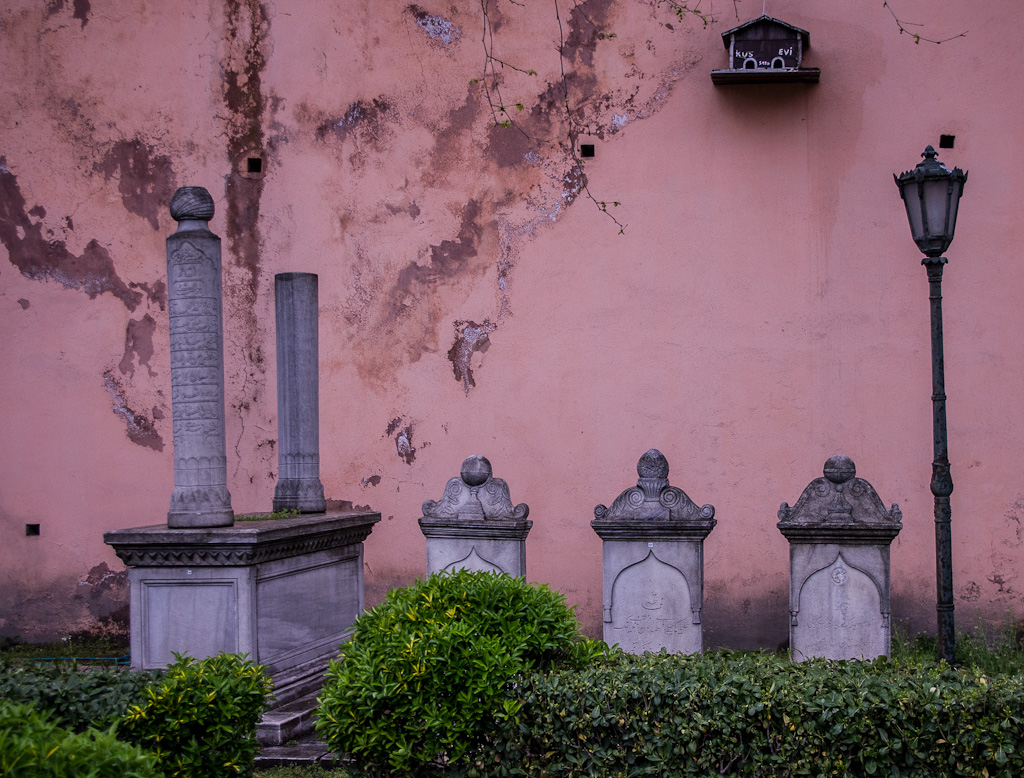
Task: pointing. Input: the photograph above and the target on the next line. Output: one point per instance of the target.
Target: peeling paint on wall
(105, 593)
(24, 304)
(470, 337)
(145, 179)
(437, 27)
(41, 257)
(140, 429)
(373, 480)
(404, 446)
(364, 119)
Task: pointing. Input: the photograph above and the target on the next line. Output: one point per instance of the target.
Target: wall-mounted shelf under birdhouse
(766, 51)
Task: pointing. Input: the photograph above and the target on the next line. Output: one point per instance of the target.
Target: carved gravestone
(200, 497)
(653, 572)
(839, 534)
(474, 525)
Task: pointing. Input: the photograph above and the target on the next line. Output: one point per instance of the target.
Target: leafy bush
(757, 714)
(200, 719)
(76, 699)
(425, 674)
(34, 746)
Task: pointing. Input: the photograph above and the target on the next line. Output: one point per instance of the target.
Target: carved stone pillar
(839, 534)
(653, 571)
(200, 497)
(474, 525)
(298, 394)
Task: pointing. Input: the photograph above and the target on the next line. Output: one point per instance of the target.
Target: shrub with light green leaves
(426, 673)
(200, 719)
(760, 715)
(32, 745)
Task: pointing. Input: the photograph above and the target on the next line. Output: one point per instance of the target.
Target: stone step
(288, 722)
(306, 750)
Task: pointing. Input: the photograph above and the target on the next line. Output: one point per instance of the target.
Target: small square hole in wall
(586, 149)
(31, 529)
(254, 165)
(946, 141)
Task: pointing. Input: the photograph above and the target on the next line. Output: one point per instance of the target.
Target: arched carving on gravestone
(663, 609)
(473, 561)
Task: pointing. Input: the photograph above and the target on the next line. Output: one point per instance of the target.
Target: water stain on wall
(470, 338)
(138, 345)
(140, 429)
(40, 258)
(364, 120)
(80, 9)
(145, 179)
(105, 593)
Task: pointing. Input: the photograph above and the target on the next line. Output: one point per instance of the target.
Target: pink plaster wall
(764, 308)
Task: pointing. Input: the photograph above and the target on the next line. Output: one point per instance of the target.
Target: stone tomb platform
(283, 591)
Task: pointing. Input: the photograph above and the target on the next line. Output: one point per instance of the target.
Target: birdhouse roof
(804, 35)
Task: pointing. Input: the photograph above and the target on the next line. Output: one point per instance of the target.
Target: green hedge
(426, 672)
(760, 715)
(200, 719)
(32, 745)
(75, 699)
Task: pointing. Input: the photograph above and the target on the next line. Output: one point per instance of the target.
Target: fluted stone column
(298, 394)
(200, 497)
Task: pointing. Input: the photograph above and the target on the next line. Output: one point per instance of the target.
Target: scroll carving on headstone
(475, 524)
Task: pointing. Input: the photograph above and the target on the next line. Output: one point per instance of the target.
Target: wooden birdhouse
(766, 51)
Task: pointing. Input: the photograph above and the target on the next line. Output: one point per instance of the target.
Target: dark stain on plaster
(24, 304)
(145, 179)
(373, 480)
(40, 258)
(138, 345)
(573, 182)
(447, 259)
(247, 28)
(470, 337)
(392, 426)
(586, 22)
(507, 146)
(105, 593)
(156, 293)
(345, 505)
(80, 8)
(438, 28)
(140, 429)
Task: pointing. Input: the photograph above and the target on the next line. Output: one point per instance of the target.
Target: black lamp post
(931, 193)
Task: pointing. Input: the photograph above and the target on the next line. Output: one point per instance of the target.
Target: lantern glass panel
(936, 201)
(912, 199)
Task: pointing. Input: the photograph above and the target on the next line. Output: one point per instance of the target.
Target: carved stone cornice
(244, 544)
(653, 508)
(840, 508)
(488, 529)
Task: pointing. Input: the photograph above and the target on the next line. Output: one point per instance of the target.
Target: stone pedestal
(839, 534)
(200, 497)
(283, 591)
(298, 394)
(474, 525)
(653, 571)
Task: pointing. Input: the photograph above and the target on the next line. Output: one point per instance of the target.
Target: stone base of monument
(495, 545)
(283, 591)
